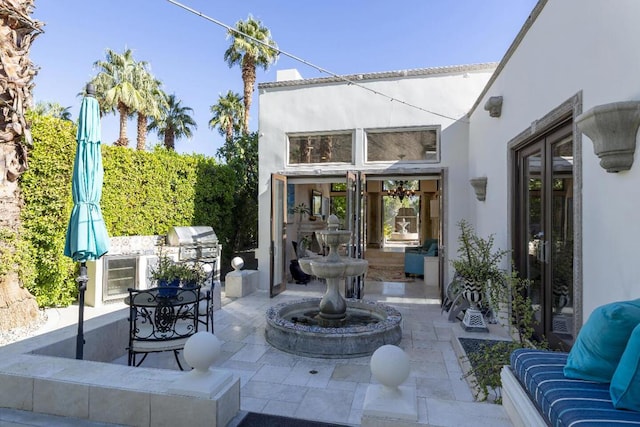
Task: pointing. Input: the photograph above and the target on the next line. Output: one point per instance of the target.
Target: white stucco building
(569, 221)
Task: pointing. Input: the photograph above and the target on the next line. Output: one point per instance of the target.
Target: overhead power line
(307, 63)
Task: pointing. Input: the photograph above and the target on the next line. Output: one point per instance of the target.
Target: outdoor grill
(198, 243)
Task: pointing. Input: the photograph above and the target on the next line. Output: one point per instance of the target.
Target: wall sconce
(612, 128)
(480, 187)
(494, 106)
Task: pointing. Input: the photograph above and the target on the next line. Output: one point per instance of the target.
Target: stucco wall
(332, 106)
(574, 45)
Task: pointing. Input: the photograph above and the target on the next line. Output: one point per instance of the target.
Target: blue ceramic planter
(168, 288)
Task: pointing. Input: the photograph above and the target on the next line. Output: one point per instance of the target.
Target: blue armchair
(414, 257)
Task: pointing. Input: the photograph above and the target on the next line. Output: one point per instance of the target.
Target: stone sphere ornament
(201, 350)
(390, 365)
(237, 263)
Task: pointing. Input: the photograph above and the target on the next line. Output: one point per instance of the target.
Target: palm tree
(174, 122)
(17, 32)
(52, 109)
(153, 99)
(116, 89)
(228, 115)
(249, 54)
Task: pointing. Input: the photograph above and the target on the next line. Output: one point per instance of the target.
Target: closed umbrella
(87, 237)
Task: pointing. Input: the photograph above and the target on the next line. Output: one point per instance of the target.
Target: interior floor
(385, 257)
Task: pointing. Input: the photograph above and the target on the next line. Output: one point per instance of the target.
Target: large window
(321, 148)
(403, 145)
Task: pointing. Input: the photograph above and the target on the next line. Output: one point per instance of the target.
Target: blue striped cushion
(564, 401)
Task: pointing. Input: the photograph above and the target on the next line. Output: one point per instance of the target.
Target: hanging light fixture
(401, 191)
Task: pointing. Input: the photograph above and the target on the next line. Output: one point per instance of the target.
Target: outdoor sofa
(596, 384)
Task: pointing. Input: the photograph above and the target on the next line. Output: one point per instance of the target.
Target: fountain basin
(327, 268)
(369, 325)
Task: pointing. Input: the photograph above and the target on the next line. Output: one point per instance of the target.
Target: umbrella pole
(82, 286)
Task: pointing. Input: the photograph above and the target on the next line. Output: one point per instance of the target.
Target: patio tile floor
(333, 390)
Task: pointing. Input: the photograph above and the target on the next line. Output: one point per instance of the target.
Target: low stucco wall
(41, 375)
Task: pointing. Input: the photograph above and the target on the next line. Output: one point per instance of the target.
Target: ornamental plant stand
(473, 320)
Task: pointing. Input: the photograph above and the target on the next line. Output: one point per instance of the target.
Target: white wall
(340, 106)
(574, 45)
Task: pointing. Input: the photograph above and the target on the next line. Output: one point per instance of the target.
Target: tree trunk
(230, 132)
(169, 139)
(17, 30)
(123, 141)
(249, 79)
(141, 138)
(17, 306)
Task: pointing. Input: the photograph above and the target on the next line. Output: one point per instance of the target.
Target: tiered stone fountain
(332, 327)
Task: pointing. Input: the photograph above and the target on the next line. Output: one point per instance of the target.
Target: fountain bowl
(369, 325)
(327, 268)
(333, 237)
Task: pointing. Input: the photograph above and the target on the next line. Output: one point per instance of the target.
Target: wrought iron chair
(160, 323)
(205, 309)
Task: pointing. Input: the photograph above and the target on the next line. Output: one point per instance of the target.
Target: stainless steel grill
(198, 243)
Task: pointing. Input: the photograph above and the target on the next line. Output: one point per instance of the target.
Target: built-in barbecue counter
(131, 259)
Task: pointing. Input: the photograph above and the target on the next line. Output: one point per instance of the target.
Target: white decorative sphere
(201, 350)
(237, 263)
(390, 365)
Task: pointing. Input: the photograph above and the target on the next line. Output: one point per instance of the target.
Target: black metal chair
(205, 310)
(158, 322)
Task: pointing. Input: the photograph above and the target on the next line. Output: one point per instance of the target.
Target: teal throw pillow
(427, 244)
(433, 250)
(625, 384)
(602, 340)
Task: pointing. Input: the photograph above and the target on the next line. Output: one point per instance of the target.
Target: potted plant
(303, 245)
(166, 275)
(301, 210)
(477, 264)
(191, 275)
(302, 241)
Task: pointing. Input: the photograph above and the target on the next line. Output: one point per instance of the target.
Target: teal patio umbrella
(87, 237)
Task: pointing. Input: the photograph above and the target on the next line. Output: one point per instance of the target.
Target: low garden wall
(40, 374)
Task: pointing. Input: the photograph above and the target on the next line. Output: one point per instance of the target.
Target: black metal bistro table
(161, 319)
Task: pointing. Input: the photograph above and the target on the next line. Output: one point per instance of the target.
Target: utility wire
(307, 63)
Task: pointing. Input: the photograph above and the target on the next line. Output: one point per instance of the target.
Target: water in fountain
(332, 326)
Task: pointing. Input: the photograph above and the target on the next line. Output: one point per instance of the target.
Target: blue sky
(186, 51)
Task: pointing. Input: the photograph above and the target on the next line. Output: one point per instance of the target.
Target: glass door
(544, 232)
(278, 281)
(354, 286)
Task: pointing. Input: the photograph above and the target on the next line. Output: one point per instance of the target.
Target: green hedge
(144, 193)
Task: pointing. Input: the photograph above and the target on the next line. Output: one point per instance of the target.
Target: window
(321, 148)
(403, 145)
